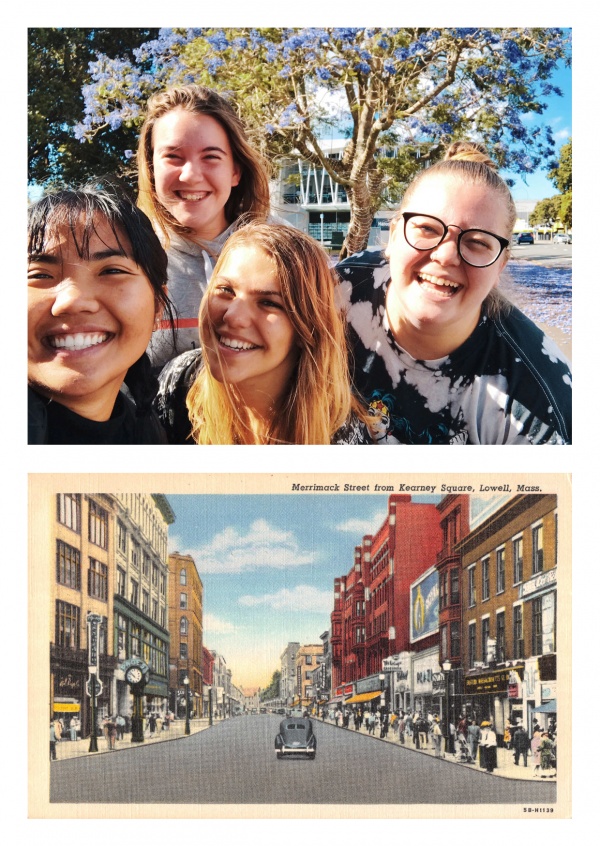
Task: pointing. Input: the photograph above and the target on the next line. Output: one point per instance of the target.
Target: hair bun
(469, 151)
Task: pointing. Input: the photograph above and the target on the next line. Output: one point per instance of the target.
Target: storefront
(425, 667)
(495, 695)
(397, 670)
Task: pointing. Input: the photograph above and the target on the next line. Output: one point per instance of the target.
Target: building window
(67, 625)
(444, 643)
(471, 586)
(145, 602)
(536, 626)
(163, 616)
(500, 571)
(68, 566)
(135, 555)
(183, 600)
(146, 565)
(485, 635)
(454, 586)
(455, 639)
(500, 637)
(485, 579)
(103, 636)
(183, 577)
(136, 639)
(443, 590)
(308, 659)
(155, 575)
(68, 511)
(517, 561)
(163, 584)
(98, 525)
(121, 537)
(472, 644)
(183, 651)
(121, 637)
(120, 582)
(183, 626)
(518, 645)
(537, 542)
(135, 595)
(98, 580)
(155, 609)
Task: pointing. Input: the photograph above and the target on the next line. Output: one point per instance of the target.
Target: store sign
(492, 682)
(542, 581)
(93, 623)
(424, 604)
(67, 685)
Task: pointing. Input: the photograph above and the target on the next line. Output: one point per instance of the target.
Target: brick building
(185, 626)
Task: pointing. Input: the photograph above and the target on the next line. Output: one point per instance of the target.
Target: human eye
(426, 227)
(38, 273)
(480, 241)
(269, 303)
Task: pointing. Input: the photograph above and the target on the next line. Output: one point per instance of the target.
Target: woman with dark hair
(198, 176)
(429, 331)
(96, 286)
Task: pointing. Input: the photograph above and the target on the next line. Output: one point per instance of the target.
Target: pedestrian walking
(401, 729)
(151, 725)
(437, 737)
(520, 745)
(488, 744)
(111, 733)
(73, 728)
(423, 732)
(384, 724)
(473, 737)
(547, 750)
(451, 739)
(536, 754)
(508, 735)
(52, 742)
(120, 723)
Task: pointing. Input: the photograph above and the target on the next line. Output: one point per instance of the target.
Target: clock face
(134, 675)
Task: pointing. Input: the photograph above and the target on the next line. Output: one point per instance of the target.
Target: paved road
(234, 762)
(543, 252)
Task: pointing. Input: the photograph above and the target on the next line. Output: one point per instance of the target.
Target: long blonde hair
(250, 197)
(319, 399)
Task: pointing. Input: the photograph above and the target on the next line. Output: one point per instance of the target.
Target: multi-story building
(220, 686)
(119, 542)
(307, 660)
(287, 683)
(207, 682)
(509, 578)
(372, 603)
(185, 626)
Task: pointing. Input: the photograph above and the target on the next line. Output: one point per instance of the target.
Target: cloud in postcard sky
(217, 625)
(362, 526)
(263, 545)
(300, 598)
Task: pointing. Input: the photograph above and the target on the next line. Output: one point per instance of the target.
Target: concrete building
(509, 612)
(186, 629)
(287, 684)
(110, 554)
(307, 660)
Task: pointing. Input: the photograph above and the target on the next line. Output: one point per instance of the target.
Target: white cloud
(562, 134)
(300, 598)
(360, 526)
(214, 625)
(263, 546)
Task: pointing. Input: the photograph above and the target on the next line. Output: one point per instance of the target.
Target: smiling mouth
(192, 197)
(445, 287)
(237, 346)
(78, 341)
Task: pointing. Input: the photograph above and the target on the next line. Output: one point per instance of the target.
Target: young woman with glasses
(440, 356)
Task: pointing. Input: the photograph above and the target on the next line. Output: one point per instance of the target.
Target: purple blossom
(362, 67)
(323, 73)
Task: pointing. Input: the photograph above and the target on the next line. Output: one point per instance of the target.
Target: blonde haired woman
(197, 176)
(273, 365)
(451, 360)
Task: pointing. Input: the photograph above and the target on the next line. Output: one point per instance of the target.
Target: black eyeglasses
(475, 246)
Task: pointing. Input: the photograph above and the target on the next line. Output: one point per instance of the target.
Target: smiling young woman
(273, 364)
(438, 353)
(197, 176)
(96, 276)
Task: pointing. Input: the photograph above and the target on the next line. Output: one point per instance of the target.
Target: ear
(236, 175)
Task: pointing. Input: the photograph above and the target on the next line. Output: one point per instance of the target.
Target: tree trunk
(363, 206)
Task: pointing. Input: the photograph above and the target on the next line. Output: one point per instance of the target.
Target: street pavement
(505, 759)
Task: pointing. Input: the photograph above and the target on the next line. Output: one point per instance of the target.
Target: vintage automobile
(296, 737)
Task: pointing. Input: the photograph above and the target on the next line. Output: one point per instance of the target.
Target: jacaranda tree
(413, 90)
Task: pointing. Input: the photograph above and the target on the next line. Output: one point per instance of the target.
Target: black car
(296, 737)
(525, 238)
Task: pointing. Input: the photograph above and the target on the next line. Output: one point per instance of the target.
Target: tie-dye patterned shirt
(508, 383)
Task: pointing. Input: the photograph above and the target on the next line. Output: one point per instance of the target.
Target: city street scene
(322, 642)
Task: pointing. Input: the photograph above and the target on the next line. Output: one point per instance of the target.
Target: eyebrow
(171, 147)
(256, 292)
(100, 255)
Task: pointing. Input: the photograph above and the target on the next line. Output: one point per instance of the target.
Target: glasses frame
(504, 242)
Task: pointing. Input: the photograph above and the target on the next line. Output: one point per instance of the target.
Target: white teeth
(78, 341)
(237, 345)
(435, 280)
(200, 196)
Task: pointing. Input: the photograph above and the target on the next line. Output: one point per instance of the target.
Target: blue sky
(267, 563)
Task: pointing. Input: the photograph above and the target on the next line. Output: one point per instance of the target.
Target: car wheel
(279, 755)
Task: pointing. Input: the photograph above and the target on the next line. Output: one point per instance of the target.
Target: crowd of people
(470, 741)
(195, 316)
(112, 727)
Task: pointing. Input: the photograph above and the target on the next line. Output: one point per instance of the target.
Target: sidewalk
(505, 757)
(77, 748)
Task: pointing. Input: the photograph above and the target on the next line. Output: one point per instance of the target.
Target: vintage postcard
(328, 646)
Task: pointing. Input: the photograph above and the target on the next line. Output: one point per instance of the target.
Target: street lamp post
(446, 667)
(186, 682)
(210, 706)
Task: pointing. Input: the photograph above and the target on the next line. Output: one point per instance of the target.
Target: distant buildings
(185, 625)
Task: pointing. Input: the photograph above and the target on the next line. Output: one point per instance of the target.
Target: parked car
(296, 737)
(562, 238)
(525, 238)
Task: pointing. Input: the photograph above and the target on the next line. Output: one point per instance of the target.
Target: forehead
(180, 127)
(464, 203)
(85, 236)
(248, 265)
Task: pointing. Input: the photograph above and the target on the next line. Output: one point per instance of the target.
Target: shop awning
(547, 708)
(363, 697)
(67, 707)
(335, 700)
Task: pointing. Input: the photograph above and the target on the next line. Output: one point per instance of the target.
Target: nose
(446, 252)
(74, 296)
(237, 313)
(191, 171)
